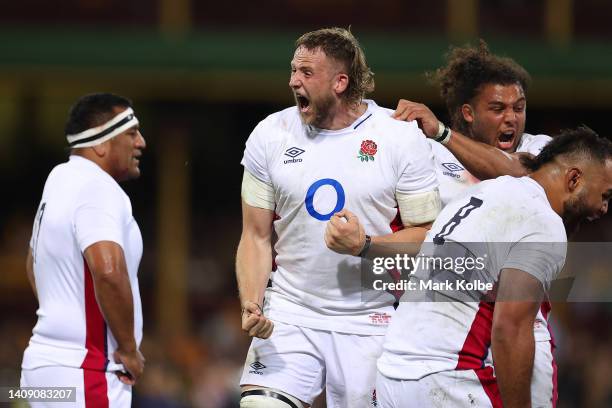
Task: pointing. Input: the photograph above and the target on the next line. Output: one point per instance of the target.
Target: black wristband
(366, 246)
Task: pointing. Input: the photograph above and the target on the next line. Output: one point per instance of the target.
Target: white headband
(104, 132)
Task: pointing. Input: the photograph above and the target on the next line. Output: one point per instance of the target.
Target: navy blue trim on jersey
(366, 118)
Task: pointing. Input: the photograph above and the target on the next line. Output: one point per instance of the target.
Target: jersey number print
(459, 216)
(37, 223)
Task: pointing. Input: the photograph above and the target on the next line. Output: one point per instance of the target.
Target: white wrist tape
(444, 133)
(441, 128)
(263, 397)
(257, 193)
(419, 208)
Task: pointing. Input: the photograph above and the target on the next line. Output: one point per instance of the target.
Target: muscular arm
(253, 266)
(407, 240)
(485, 161)
(480, 159)
(30, 271)
(108, 268)
(345, 234)
(512, 340)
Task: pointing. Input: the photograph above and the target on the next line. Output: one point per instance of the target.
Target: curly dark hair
(581, 142)
(467, 69)
(341, 45)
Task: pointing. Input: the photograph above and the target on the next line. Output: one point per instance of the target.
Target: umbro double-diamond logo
(256, 368)
(452, 169)
(293, 152)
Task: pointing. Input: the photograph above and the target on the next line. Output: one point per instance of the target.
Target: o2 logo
(310, 196)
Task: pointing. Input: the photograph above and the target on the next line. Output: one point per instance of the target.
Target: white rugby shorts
(94, 389)
(467, 388)
(302, 361)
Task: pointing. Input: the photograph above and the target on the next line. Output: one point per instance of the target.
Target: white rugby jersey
(315, 173)
(81, 205)
(453, 176)
(509, 223)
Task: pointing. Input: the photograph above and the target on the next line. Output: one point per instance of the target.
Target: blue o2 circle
(310, 196)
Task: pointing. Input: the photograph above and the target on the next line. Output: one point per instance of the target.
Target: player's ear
(101, 150)
(341, 83)
(467, 112)
(573, 178)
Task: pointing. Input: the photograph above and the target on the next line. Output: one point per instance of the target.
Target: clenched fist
(344, 233)
(254, 322)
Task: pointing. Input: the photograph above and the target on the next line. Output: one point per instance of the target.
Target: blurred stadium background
(201, 75)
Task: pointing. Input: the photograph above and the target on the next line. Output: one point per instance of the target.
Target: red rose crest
(367, 151)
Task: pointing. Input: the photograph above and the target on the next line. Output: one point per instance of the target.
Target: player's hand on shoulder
(408, 111)
(133, 361)
(254, 322)
(344, 233)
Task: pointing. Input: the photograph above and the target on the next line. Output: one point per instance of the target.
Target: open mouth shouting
(505, 140)
(303, 103)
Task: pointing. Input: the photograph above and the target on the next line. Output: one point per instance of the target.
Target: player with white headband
(83, 261)
(100, 134)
